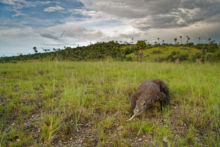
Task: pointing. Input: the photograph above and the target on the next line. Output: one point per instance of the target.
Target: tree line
(113, 49)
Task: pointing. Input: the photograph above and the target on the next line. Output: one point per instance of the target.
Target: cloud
(12, 2)
(16, 34)
(50, 36)
(146, 14)
(98, 20)
(70, 32)
(52, 9)
(17, 5)
(16, 40)
(24, 3)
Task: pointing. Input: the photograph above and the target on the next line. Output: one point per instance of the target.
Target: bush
(196, 56)
(214, 56)
(156, 52)
(183, 57)
(160, 59)
(128, 58)
(177, 55)
(173, 56)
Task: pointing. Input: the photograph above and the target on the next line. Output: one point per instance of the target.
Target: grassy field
(88, 103)
(163, 53)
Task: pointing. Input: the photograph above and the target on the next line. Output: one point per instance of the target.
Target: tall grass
(45, 103)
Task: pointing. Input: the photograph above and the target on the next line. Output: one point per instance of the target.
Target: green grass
(87, 103)
(162, 53)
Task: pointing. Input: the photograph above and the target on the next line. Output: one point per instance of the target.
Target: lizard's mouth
(135, 114)
(138, 112)
(131, 117)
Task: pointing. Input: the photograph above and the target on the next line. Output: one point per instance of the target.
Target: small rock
(38, 130)
(197, 139)
(140, 139)
(18, 140)
(165, 139)
(120, 128)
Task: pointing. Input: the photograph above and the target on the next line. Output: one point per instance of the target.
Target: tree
(35, 49)
(175, 40)
(209, 39)
(141, 45)
(158, 40)
(187, 39)
(46, 50)
(181, 37)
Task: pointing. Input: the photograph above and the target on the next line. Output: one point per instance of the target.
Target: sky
(49, 24)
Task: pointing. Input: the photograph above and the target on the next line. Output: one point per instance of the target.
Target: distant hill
(168, 53)
(128, 52)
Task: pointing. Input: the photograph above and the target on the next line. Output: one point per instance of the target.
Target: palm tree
(187, 39)
(158, 40)
(209, 39)
(35, 49)
(199, 39)
(181, 37)
(175, 40)
(46, 50)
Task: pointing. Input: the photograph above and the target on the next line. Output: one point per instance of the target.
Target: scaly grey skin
(141, 105)
(149, 92)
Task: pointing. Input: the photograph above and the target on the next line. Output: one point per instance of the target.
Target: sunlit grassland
(88, 103)
(157, 53)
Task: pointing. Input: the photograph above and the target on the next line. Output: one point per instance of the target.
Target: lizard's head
(140, 107)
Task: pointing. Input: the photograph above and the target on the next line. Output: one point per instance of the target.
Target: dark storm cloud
(27, 22)
(145, 14)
